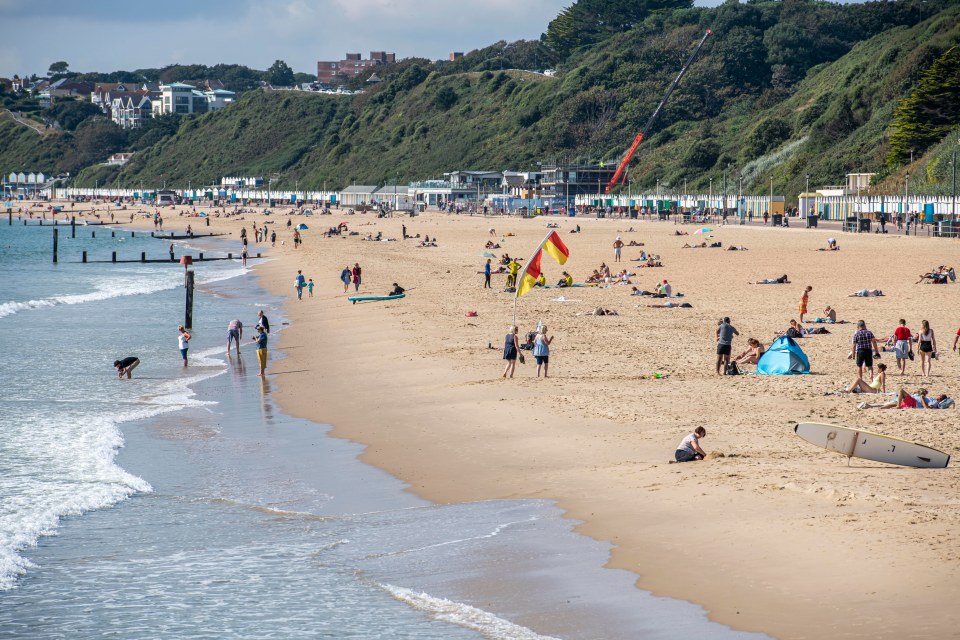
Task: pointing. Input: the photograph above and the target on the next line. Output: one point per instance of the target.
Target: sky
(110, 35)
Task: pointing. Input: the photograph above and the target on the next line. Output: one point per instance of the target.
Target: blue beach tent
(784, 357)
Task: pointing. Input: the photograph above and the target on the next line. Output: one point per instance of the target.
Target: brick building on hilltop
(329, 72)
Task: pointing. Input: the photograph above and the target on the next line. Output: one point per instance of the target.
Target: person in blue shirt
(261, 340)
(486, 275)
(301, 282)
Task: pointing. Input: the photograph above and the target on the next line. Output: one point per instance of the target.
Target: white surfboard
(871, 446)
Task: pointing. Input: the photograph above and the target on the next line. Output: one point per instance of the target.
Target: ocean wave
(80, 456)
(463, 615)
(104, 289)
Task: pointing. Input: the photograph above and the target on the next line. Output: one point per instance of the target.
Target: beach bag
(522, 359)
(732, 369)
(910, 353)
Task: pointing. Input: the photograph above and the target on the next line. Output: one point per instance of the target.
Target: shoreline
(424, 389)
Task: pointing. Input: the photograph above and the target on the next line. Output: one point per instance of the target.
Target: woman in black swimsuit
(927, 347)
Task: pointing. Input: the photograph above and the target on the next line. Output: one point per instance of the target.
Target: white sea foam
(463, 615)
(104, 289)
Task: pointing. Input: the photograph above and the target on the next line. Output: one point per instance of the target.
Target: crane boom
(621, 170)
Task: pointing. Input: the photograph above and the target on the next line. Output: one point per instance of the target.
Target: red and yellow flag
(554, 246)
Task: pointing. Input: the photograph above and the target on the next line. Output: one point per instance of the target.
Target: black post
(56, 233)
(208, 221)
(93, 234)
(188, 312)
(73, 226)
(133, 233)
(201, 256)
(9, 217)
(113, 234)
(143, 256)
(114, 258)
(84, 257)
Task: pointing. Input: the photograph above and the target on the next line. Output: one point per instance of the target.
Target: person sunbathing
(781, 280)
(736, 247)
(599, 311)
(686, 245)
(937, 276)
(795, 330)
(751, 354)
(594, 277)
(904, 401)
(634, 243)
(879, 384)
(680, 233)
(671, 305)
(866, 293)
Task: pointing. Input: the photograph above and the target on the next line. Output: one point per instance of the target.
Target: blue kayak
(356, 299)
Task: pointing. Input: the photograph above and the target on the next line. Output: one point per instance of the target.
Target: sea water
(184, 504)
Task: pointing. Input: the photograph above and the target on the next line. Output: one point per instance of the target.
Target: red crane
(621, 170)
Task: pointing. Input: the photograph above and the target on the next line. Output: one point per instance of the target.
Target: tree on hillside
(58, 68)
(71, 113)
(96, 139)
(930, 111)
(279, 74)
(589, 21)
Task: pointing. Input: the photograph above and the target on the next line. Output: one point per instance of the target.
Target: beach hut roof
(360, 188)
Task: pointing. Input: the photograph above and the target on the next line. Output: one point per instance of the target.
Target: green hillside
(782, 90)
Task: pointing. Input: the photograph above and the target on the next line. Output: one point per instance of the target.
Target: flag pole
(516, 284)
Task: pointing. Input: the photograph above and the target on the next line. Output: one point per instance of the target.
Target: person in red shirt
(903, 337)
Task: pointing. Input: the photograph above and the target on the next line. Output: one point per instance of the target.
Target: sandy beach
(773, 535)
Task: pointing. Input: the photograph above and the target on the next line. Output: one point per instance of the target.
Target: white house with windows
(130, 111)
(181, 98)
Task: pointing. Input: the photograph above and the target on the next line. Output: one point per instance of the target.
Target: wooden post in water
(113, 234)
(84, 257)
(143, 256)
(56, 233)
(9, 217)
(73, 226)
(114, 257)
(188, 311)
(93, 234)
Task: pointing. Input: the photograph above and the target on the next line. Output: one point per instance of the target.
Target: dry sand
(776, 535)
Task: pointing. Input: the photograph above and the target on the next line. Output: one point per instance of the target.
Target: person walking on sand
(356, 273)
(310, 288)
(261, 340)
(486, 275)
(541, 350)
(345, 278)
(511, 351)
(300, 283)
(184, 342)
(234, 332)
(864, 347)
(617, 246)
(804, 299)
(902, 347)
(927, 346)
(725, 333)
(689, 448)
